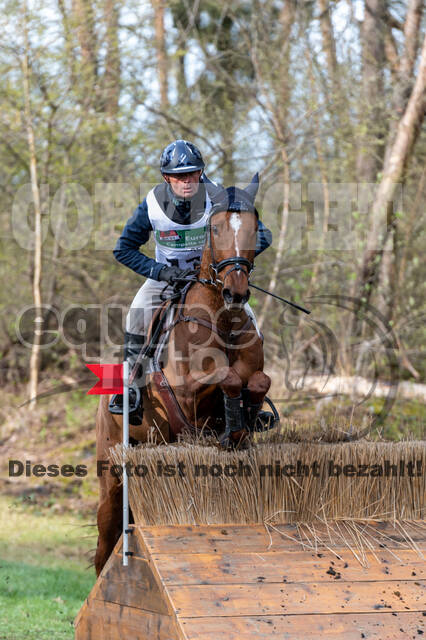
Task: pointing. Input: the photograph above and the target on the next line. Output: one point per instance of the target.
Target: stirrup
(267, 419)
(115, 405)
(256, 419)
(133, 344)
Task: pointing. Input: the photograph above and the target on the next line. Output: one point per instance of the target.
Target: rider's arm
(136, 233)
(264, 238)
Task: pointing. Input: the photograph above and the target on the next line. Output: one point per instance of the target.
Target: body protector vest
(177, 244)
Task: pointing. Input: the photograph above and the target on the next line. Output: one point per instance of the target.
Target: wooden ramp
(223, 582)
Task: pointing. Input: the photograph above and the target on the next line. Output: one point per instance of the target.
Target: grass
(44, 577)
(43, 574)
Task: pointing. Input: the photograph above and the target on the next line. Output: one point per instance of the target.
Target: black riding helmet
(181, 156)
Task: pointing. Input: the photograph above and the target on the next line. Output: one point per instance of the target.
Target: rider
(176, 211)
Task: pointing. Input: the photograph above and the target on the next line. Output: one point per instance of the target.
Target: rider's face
(185, 185)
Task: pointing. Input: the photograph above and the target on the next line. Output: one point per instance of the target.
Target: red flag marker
(110, 378)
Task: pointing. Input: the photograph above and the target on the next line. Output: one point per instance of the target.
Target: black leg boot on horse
(235, 429)
(243, 416)
(133, 344)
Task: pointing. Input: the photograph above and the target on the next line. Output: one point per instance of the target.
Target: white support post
(125, 478)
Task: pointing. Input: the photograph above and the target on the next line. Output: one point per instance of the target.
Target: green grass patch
(44, 577)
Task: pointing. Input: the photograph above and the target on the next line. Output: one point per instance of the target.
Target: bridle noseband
(238, 262)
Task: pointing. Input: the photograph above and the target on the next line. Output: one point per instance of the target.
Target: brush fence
(188, 483)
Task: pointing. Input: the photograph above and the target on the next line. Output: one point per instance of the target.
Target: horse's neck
(206, 261)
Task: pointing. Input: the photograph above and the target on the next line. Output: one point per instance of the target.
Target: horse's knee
(232, 384)
(258, 385)
(109, 520)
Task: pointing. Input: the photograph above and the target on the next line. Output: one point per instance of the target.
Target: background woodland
(320, 97)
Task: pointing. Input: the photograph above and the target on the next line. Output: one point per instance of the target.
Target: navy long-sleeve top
(137, 231)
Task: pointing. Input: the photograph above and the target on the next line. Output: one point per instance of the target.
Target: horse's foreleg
(109, 525)
(257, 388)
(233, 401)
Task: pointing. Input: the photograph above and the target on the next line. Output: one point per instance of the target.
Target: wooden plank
(297, 566)
(93, 593)
(374, 626)
(136, 546)
(133, 586)
(82, 612)
(110, 621)
(253, 538)
(276, 599)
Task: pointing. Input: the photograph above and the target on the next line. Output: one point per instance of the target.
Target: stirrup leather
(133, 343)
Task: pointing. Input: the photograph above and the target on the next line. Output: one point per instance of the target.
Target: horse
(214, 356)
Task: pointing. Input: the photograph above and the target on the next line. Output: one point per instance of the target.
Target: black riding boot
(251, 410)
(133, 344)
(255, 418)
(252, 413)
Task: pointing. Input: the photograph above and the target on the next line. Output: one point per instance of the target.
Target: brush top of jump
(223, 582)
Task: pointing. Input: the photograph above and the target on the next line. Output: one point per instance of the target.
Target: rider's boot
(133, 344)
(255, 418)
(252, 413)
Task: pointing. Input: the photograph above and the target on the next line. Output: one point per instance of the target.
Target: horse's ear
(252, 188)
(213, 189)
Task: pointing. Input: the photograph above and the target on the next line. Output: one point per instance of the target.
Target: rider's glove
(171, 274)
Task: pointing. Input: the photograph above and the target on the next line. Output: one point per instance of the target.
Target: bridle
(237, 262)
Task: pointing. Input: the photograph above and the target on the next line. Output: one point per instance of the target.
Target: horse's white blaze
(235, 222)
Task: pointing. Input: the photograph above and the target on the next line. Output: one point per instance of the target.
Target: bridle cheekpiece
(237, 262)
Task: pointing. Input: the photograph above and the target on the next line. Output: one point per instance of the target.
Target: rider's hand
(171, 274)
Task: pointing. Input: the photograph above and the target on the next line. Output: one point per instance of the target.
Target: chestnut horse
(214, 350)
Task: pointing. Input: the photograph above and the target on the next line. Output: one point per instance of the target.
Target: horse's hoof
(235, 440)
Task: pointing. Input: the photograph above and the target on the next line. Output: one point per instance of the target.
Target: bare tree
(84, 19)
(398, 155)
(160, 45)
(278, 111)
(35, 351)
(111, 79)
(329, 44)
(405, 66)
(371, 104)
(68, 37)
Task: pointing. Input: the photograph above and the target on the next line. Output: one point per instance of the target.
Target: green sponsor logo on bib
(181, 238)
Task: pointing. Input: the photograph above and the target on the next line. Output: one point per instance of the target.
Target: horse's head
(231, 238)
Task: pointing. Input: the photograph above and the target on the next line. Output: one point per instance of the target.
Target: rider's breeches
(148, 299)
(144, 304)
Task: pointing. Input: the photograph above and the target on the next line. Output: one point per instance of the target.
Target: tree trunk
(413, 215)
(85, 27)
(397, 158)
(160, 45)
(329, 45)
(336, 98)
(279, 116)
(281, 238)
(404, 80)
(369, 158)
(111, 78)
(69, 40)
(35, 351)
(286, 23)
